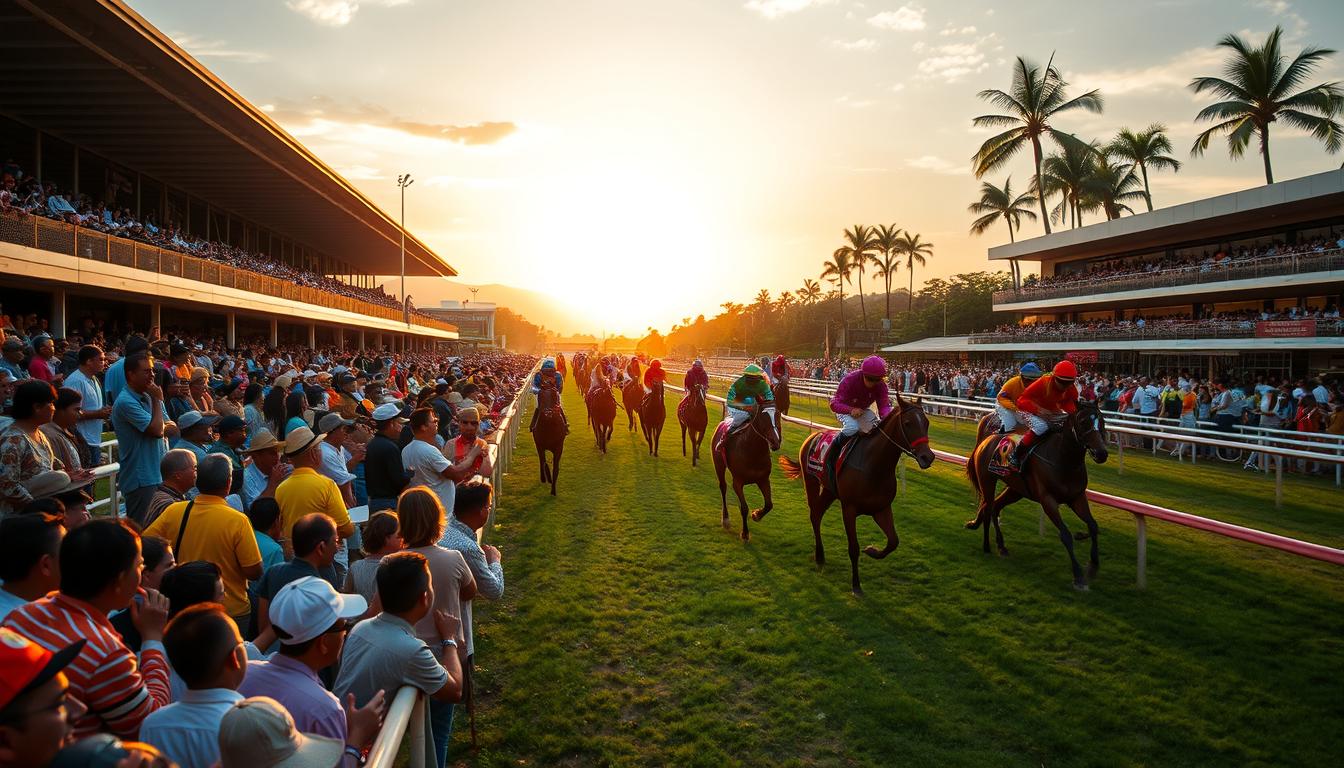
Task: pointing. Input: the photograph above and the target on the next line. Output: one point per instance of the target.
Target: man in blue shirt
(138, 418)
(114, 379)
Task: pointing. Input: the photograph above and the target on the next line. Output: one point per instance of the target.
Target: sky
(648, 160)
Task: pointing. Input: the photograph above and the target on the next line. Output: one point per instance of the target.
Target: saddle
(824, 463)
(1000, 458)
(720, 439)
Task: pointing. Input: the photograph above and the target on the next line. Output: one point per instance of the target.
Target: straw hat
(300, 440)
(263, 441)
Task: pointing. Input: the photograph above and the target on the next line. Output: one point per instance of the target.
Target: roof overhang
(1191, 346)
(94, 73)
(1310, 198)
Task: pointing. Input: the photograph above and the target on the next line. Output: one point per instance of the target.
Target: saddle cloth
(1001, 455)
(682, 405)
(819, 454)
(721, 437)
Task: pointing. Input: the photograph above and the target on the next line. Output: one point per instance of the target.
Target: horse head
(763, 423)
(1089, 429)
(907, 426)
(548, 398)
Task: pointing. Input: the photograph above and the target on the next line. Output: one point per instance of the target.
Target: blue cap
(547, 364)
(1031, 369)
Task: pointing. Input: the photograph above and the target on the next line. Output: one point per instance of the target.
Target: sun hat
(387, 412)
(200, 374)
(53, 482)
(454, 398)
(333, 421)
(227, 388)
(299, 440)
(263, 441)
(307, 607)
(195, 418)
(260, 731)
(103, 750)
(24, 665)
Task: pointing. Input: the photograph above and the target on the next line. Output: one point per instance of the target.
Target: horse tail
(974, 477)
(791, 469)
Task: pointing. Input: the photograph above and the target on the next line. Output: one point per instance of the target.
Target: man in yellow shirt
(1006, 404)
(215, 532)
(305, 491)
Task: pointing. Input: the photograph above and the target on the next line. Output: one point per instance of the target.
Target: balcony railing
(1198, 274)
(1195, 329)
(70, 240)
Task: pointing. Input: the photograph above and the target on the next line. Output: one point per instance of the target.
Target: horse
(1054, 474)
(780, 389)
(746, 454)
(652, 414)
(549, 434)
(602, 415)
(631, 396)
(866, 483)
(694, 418)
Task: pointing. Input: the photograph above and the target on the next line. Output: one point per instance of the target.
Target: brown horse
(781, 393)
(631, 396)
(1054, 474)
(549, 434)
(746, 454)
(866, 484)
(602, 415)
(652, 415)
(694, 418)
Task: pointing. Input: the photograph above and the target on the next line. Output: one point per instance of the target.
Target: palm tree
(884, 240)
(810, 293)
(915, 252)
(859, 244)
(1261, 86)
(1145, 150)
(1034, 99)
(999, 203)
(1112, 186)
(1068, 174)
(837, 272)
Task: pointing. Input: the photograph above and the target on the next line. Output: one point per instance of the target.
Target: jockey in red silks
(654, 373)
(631, 370)
(560, 363)
(1046, 401)
(696, 376)
(779, 369)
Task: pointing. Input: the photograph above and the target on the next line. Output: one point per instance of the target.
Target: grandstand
(137, 187)
(1245, 283)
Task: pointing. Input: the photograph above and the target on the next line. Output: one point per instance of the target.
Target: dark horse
(1054, 474)
(549, 434)
(746, 454)
(694, 418)
(602, 415)
(631, 395)
(781, 392)
(867, 482)
(652, 415)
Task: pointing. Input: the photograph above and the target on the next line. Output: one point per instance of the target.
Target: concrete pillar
(275, 331)
(340, 337)
(57, 322)
(361, 338)
(231, 330)
(155, 317)
(312, 335)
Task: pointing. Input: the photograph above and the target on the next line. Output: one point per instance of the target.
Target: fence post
(1120, 449)
(1141, 566)
(1278, 483)
(417, 729)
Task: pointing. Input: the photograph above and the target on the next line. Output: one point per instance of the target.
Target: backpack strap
(181, 529)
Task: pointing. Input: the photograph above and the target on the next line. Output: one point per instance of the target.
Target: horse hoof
(746, 536)
(857, 591)
(1080, 586)
(725, 524)
(1003, 551)
(1081, 536)
(971, 525)
(1092, 571)
(872, 552)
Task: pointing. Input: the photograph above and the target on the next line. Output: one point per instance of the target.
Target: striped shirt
(118, 691)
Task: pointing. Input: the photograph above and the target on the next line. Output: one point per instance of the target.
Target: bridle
(898, 415)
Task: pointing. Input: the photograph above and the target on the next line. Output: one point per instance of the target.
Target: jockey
(764, 364)
(1006, 406)
(779, 370)
(696, 376)
(1047, 400)
(749, 389)
(560, 364)
(631, 372)
(856, 394)
(546, 378)
(654, 373)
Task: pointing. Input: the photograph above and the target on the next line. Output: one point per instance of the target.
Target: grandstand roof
(1285, 203)
(1197, 346)
(96, 74)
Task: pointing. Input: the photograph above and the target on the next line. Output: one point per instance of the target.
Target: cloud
(898, 87)
(907, 18)
(952, 61)
(203, 48)
(323, 108)
(935, 164)
(862, 44)
(360, 173)
(335, 13)
(853, 103)
(773, 9)
(949, 30)
(1174, 74)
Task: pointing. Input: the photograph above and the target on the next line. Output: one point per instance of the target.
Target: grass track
(636, 631)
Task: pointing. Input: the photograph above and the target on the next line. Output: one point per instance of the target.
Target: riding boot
(1020, 452)
(833, 458)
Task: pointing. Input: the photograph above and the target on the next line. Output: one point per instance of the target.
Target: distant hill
(536, 307)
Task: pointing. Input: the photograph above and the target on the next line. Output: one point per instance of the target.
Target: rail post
(1120, 450)
(418, 745)
(1141, 540)
(1278, 483)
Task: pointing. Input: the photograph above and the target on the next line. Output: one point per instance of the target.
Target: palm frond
(1323, 129)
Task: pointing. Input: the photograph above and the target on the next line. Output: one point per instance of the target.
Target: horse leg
(742, 509)
(851, 515)
(884, 521)
(555, 467)
(1083, 510)
(545, 469)
(1051, 508)
(1009, 496)
(768, 505)
(719, 469)
(683, 443)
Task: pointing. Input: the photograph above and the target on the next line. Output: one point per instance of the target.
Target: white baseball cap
(307, 607)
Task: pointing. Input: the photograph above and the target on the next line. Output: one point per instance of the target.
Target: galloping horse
(1055, 473)
(746, 453)
(631, 396)
(694, 418)
(602, 415)
(549, 434)
(781, 393)
(866, 483)
(652, 414)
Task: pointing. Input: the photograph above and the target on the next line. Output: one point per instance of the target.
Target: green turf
(636, 631)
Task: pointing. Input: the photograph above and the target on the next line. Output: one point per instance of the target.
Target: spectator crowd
(299, 540)
(1210, 324)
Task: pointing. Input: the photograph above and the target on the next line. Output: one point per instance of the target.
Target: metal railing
(1151, 331)
(1198, 274)
(70, 240)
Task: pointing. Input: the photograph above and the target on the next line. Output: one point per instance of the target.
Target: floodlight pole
(404, 181)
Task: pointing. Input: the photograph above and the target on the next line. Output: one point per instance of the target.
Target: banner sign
(1285, 329)
(1082, 357)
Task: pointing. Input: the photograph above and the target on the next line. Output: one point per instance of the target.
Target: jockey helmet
(698, 363)
(753, 369)
(1066, 371)
(656, 364)
(547, 364)
(779, 360)
(874, 366)
(1031, 371)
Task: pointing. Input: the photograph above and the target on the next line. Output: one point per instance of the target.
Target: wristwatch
(448, 643)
